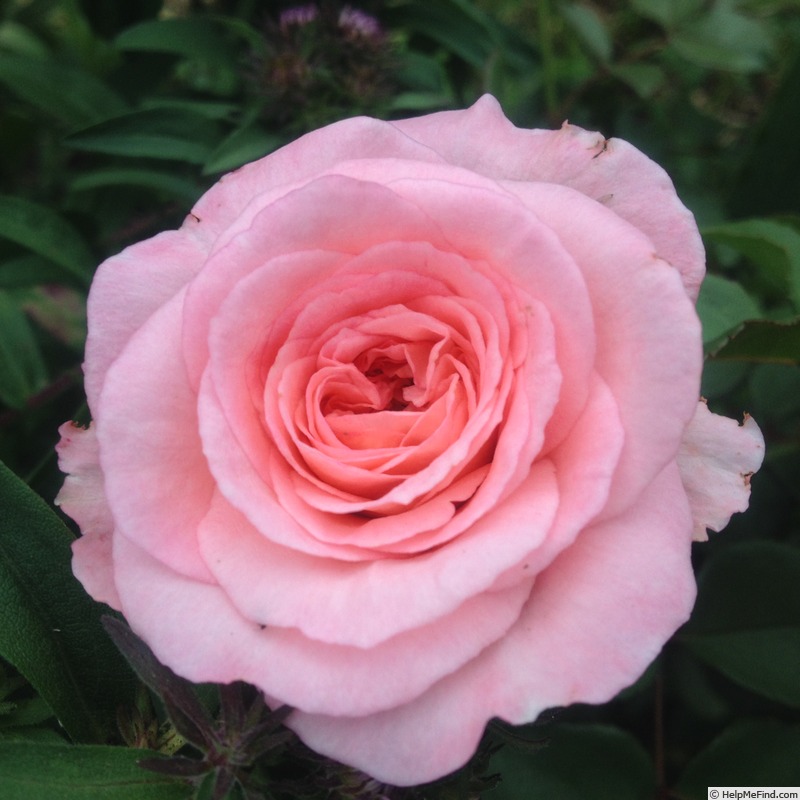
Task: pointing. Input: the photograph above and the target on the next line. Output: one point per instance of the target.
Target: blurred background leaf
(747, 620)
(749, 753)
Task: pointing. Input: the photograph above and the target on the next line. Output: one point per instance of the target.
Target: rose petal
(267, 581)
(246, 489)
(716, 459)
(332, 213)
(628, 594)
(156, 479)
(325, 597)
(610, 171)
(396, 271)
(131, 286)
(231, 204)
(193, 627)
(648, 333)
(83, 498)
(585, 466)
(238, 331)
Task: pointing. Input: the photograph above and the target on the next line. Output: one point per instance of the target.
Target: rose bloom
(403, 427)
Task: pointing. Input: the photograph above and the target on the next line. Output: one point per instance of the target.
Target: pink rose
(402, 427)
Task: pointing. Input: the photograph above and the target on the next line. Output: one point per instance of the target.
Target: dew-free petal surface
(156, 478)
(83, 498)
(206, 638)
(551, 656)
(326, 597)
(716, 459)
(129, 288)
(610, 171)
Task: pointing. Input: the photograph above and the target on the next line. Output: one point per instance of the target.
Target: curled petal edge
(83, 498)
(716, 459)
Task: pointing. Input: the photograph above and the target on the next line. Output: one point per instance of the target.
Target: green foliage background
(115, 117)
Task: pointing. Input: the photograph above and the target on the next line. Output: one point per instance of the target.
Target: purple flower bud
(359, 23)
(298, 16)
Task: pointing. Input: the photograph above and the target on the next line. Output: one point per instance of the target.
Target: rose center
(393, 393)
(391, 378)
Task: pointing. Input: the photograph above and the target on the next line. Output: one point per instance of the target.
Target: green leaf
(644, 79)
(724, 39)
(775, 389)
(26, 713)
(54, 772)
(33, 735)
(212, 109)
(242, 146)
(458, 26)
(578, 762)
(747, 619)
(49, 627)
(46, 233)
(765, 661)
(29, 270)
(153, 133)
(667, 13)
(192, 37)
(769, 179)
(422, 73)
(589, 27)
(16, 38)
(749, 753)
(772, 247)
(765, 342)
(410, 102)
(721, 377)
(147, 178)
(209, 61)
(71, 94)
(723, 306)
(22, 370)
(243, 30)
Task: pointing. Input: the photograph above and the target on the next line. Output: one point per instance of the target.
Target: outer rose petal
(83, 497)
(610, 171)
(194, 627)
(229, 206)
(628, 593)
(128, 288)
(716, 459)
(648, 333)
(156, 478)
